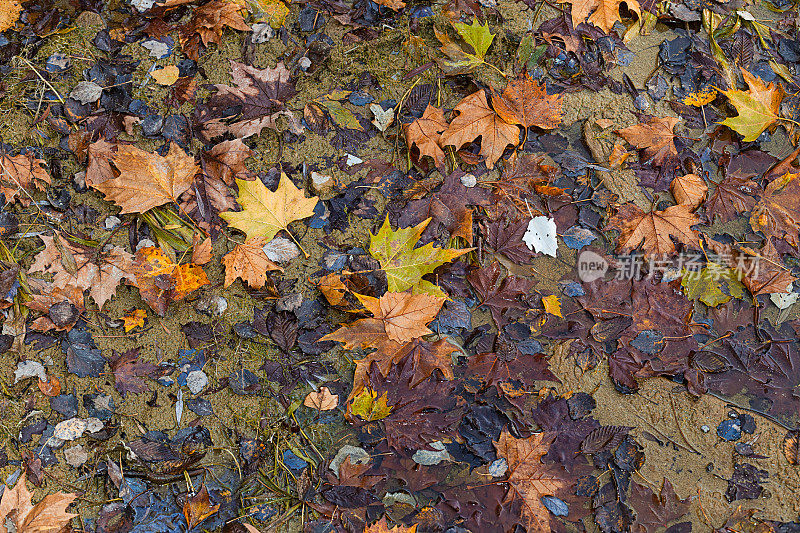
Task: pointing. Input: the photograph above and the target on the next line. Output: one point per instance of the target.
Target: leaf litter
(428, 281)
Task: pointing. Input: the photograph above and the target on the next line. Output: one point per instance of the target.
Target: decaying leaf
(476, 119)
(147, 180)
(75, 265)
(199, 507)
(249, 262)
(321, 400)
(689, 190)
(477, 37)
(777, 214)
(654, 229)
(264, 213)
(20, 176)
(713, 285)
(160, 281)
(426, 132)
(368, 406)
(260, 96)
(129, 372)
(47, 516)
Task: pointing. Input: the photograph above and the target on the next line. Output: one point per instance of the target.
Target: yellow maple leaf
(552, 305)
(264, 213)
(368, 406)
(758, 107)
(134, 318)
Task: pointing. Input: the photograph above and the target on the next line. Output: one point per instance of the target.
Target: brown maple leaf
(527, 103)
(210, 19)
(653, 511)
(249, 262)
(654, 229)
(528, 479)
(732, 195)
(128, 372)
(20, 176)
(655, 138)
(226, 161)
(425, 133)
(260, 96)
(476, 119)
(147, 180)
(75, 265)
(499, 295)
(778, 212)
(48, 516)
(100, 154)
(768, 275)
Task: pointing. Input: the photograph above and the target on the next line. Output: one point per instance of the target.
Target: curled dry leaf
(476, 119)
(321, 400)
(249, 262)
(147, 180)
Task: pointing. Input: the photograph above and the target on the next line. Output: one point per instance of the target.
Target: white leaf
(541, 235)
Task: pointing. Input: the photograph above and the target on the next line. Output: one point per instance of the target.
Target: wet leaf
(134, 319)
(249, 262)
(322, 400)
(527, 103)
(368, 406)
(653, 230)
(160, 281)
(425, 133)
(47, 516)
(381, 527)
(21, 175)
(707, 284)
(758, 107)
(689, 190)
(655, 138)
(199, 507)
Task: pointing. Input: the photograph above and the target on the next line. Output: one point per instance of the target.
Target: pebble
(321, 184)
(360, 98)
(70, 429)
(498, 467)
(57, 62)
(152, 125)
(262, 32)
(158, 49)
(111, 222)
(730, 430)
(196, 381)
(76, 456)
(469, 180)
(705, 429)
(86, 92)
(144, 243)
(79, 181)
(63, 313)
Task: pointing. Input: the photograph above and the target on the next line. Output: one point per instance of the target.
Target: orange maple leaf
(426, 132)
(654, 229)
(476, 119)
(777, 214)
(527, 103)
(403, 314)
(249, 262)
(160, 281)
(381, 527)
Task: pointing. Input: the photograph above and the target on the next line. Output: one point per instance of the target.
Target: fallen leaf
(199, 507)
(134, 319)
(75, 265)
(732, 196)
(208, 23)
(404, 315)
(321, 400)
(166, 76)
(48, 516)
(426, 132)
(529, 479)
(706, 284)
(20, 176)
(499, 295)
(527, 103)
(202, 251)
(654, 229)
(604, 13)
(476, 119)
(768, 275)
(777, 213)
(264, 213)
(129, 372)
(655, 138)
(395, 5)
(51, 387)
(160, 281)
(689, 190)
(552, 305)
(275, 11)
(381, 527)
(791, 447)
(477, 37)
(147, 180)
(368, 406)
(654, 511)
(758, 107)
(10, 10)
(404, 263)
(226, 161)
(249, 262)
(259, 97)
